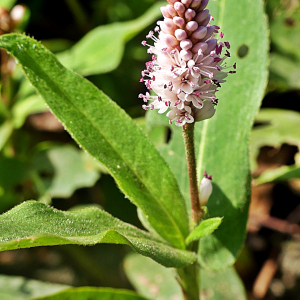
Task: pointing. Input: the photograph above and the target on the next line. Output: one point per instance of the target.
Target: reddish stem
(188, 135)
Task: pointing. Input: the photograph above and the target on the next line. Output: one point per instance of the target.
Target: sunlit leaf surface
(33, 224)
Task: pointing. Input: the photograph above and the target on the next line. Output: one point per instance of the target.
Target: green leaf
(20, 288)
(284, 71)
(222, 142)
(205, 228)
(224, 285)
(33, 224)
(278, 127)
(101, 50)
(150, 279)
(283, 173)
(91, 293)
(97, 52)
(108, 134)
(155, 282)
(7, 3)
(66, 168)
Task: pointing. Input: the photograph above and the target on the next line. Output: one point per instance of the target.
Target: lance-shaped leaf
(89, 293)
(222, 142)
(105, 131)
(283, 173)
(205, 228)
(101, 50)
(33, 224)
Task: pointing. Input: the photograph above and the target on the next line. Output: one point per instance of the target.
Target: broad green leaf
(108, 134)
(205, 228)
(93, 293)
(22, 109)
(155, 282)
(278, 127)
(20, 288)
(101, 50)
(222, 142)
(7, 3)
(33, 224)
(283, 173)
(66, 170)
(284, 71)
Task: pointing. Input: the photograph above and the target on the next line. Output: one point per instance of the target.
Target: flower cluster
(187, 65)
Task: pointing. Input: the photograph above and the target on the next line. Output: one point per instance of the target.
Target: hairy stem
(189, 278)
(188, 135)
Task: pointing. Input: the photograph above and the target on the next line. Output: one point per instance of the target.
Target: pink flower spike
(150, 34)
(187, 65)
(227, 53)
(227, 45)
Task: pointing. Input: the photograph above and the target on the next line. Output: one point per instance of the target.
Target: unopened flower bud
(205, 189)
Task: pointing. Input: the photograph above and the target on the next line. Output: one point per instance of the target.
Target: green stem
(189, 278)
(188, 135)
